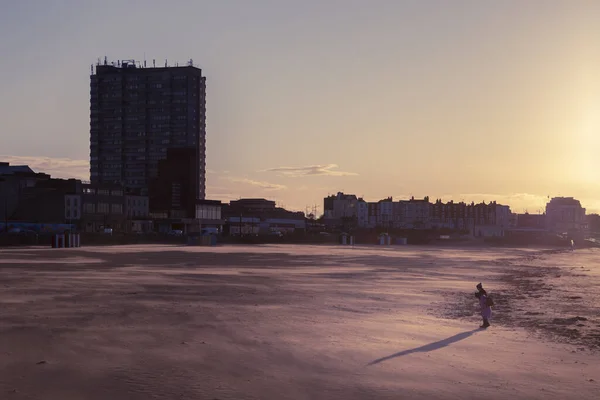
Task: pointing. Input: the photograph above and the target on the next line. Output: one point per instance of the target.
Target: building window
(116, 209)
(208, 212)
(89, 208)
(103, 208)
(103, 192)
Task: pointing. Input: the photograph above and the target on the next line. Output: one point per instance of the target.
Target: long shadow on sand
(428, 347)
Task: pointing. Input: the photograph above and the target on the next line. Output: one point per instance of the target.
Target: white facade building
(362, 213)
(503, 216)
(417, 214)
(385, 213)
(340, 206)
(565, 214)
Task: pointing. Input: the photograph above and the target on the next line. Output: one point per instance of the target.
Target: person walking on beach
(485, 302)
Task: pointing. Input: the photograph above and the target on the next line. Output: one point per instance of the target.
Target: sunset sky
(464, 100)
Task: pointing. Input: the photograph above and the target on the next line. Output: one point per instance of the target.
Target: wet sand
(297, 322)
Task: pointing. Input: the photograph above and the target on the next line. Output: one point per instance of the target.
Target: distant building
(209, 214)
(531, 222)
(481, 219)
(50, 201)
(285, 226)
(399, 215)
(362, 213)
(489, 220)
(173, 191)
(139, 112)
(513, 220)
(73, 207)
(103, 207)
(450, 215)
(241, 226)
(593, 221)
(136, 206)
(261, 216)
(41, 199)
(373, 212)
(137, 212)
(13, 180)
(503, 217)
(385, 213)
(252, 206)
(340, 206)
(7, 169)
(416, 213)
(565, 215)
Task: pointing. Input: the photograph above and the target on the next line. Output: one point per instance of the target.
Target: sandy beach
(297, 322)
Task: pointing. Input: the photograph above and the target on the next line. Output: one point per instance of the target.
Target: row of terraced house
(563, 215)
(482, 219)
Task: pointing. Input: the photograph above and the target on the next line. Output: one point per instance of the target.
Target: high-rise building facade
(137, 113)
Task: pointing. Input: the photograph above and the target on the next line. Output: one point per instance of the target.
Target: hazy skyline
(466, 100)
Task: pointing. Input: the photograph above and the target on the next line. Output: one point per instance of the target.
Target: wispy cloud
(311, 170)
(219, 192)
(57, 167)
(260, 184)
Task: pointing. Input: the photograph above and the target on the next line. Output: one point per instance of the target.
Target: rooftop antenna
(154, 62)
(92, 69)
(165, 63)
(105, 60)
(98, 61)
(191, 63)
(144, 59)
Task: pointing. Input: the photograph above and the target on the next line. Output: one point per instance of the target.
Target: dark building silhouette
(531, 221)
(260, 208)
(137, 113)
(6, 169)
(13, 180)
(252, 206)
(45, 201)
(173, 192)
(260, 216)
(594, 223)
(89, 207)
